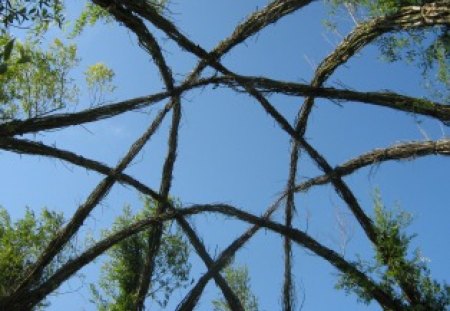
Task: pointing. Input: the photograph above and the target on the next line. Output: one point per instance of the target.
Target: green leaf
(3, 68)
(24, 59)
(8, 49)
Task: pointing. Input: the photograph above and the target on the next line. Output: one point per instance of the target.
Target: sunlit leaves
(99, 82)
(394, 265)
(30, 14)
(37, 82)
(120, 273)
(22, 241)
(92, 14)
(239, 281)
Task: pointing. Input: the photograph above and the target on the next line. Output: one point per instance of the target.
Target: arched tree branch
(404, 151)
(384, 99)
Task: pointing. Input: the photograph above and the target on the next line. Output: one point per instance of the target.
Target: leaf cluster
(120, 273)
(99, 79)
(36, 81)
(21, 243)
(393, 266)
(239, 280)
(92, 14)
(30, 13)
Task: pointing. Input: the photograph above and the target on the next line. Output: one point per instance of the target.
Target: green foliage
(375, 8)
(26, 13)
(90, 15)
(393, 266)
(99, 81)
(120, 273)
(21, 243)
(239, 281)
(93, 13)
(36, 82)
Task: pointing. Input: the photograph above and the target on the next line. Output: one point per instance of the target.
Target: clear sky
(231, 151)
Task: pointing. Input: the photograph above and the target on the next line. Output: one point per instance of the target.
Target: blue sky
(231, 151)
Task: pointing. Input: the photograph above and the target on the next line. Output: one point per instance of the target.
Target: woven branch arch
(135, 16)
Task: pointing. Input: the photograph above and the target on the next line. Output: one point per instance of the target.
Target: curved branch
(385, 99)
(145, 38)
(430, 14)
(397, 152)
(23, 146)
(33, 125)
(407, 17)
(156, 232)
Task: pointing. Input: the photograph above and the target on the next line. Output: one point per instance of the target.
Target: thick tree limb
(404, 151)
(156, 232)
(33, 125)
(385, 99)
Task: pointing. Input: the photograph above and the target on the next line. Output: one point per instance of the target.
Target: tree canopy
(49, 95)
